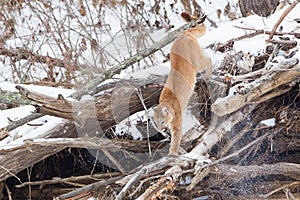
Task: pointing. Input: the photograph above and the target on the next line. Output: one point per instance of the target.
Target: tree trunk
(260, 7)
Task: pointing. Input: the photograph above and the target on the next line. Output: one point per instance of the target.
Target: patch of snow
(86, 98)
(188, 121)
(14, 114)
(269, 122)
(30, 131)
(51, 91)
(161, 69)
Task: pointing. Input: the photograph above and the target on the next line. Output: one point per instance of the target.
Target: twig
(140, 95)
(198, 167)
(27, 54)
(285, 13)
(11, 173)
(113, 160)
(29, 171)
(22, 121)
(159, 164)
(248, 35)
(289, 195)
(88, 188)
(163, 184)
(268, 32)
(138, 188)
(281, 188)
(272, 55)
(56, 180)
(95, 162)
(8, 192)
(133, 179)
(257, 32)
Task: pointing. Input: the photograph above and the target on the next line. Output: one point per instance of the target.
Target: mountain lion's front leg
(208, 70)
(176, 133)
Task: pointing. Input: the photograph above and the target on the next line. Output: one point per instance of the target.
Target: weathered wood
(22, 121)
(165, 183)
(260, 90)
(96, 143)
(59, 103)
(70, 179)
(13, 162)
(88, 188)
(128, 180)
(235, 173)
(110, 107)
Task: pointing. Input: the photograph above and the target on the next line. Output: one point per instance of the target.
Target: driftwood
(96, 143)
(238, 173)
(13, 161)
(259, 90)
(122, 95)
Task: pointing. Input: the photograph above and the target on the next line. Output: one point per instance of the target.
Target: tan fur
(187, 58)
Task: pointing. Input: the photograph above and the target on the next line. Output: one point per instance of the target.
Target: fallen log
(259, 90)
(16, 160)
(111, 107)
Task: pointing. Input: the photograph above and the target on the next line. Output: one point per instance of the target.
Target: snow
(35, 129)
(51, 91)
(14, 114)
(27, 131)
(160, 69)
(19, 135)
(269, 122)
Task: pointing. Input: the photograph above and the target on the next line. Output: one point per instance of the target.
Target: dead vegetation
(252, 138)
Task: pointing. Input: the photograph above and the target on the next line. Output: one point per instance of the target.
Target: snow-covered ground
(225, 31)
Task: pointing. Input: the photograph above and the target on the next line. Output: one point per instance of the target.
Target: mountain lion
(187, 59)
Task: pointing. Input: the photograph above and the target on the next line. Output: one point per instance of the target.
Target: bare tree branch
(285, 13)
(88, 88)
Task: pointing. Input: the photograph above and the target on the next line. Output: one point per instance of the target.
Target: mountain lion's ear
(165, 109)
(154, 109)
(187, 17)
